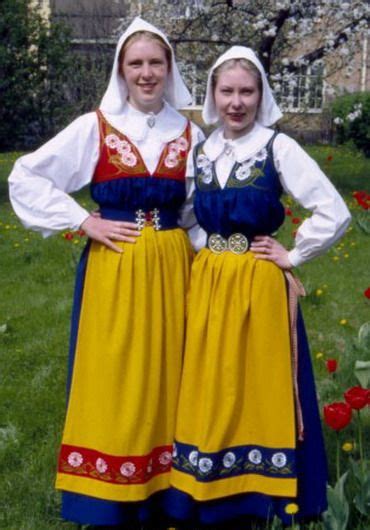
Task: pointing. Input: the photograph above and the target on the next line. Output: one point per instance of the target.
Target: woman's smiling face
(237, 97)
(145, 69)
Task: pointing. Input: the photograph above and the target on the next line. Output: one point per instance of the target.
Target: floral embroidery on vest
(123, 148)
(120, 158)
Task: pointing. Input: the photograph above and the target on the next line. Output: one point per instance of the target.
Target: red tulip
(68, 235)
(288, 211)
(329, 158)
(331, 365)
(357, 397)
(362, 198)
(81, 233)
(367, 293)
(337, 415)
(296, 220)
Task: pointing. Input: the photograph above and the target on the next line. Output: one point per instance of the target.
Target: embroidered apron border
(234, 461)
(125, 470)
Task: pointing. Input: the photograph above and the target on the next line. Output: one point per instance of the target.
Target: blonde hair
(149, 36)
(231, 63)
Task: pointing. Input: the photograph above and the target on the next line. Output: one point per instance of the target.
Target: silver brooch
(151, 119)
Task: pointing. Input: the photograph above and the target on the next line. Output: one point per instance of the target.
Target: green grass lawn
(36, 285)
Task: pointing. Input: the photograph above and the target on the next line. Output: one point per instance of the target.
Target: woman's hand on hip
(267, 248)
(106, 231)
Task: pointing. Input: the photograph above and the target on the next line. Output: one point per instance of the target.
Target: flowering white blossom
(270, 32)
(338, 121)
(352, 116)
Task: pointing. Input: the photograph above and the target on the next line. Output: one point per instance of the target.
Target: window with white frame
(303, 91)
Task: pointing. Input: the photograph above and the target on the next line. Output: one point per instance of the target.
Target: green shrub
(351, 119)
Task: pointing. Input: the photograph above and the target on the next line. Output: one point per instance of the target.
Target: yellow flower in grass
(347, 447)
(319, 292)
(291, 508)
(343, 322)
(335, 258)
(319, 355)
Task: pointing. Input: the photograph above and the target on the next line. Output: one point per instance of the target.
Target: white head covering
(114, 99)
(268, 112)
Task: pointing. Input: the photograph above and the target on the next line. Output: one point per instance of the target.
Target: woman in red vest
(129, 305)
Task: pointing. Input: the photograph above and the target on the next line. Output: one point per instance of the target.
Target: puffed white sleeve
(302, 178)
(197, 235)
(40, 182)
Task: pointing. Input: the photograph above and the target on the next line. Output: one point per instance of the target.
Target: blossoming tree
(289, 35)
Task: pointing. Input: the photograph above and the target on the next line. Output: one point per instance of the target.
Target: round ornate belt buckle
(238, 243)
(217, 243)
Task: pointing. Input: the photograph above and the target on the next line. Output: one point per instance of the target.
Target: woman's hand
(106, 231)
(266, 247)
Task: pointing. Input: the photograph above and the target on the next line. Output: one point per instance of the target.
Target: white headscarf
(114, 99)
(268, 112)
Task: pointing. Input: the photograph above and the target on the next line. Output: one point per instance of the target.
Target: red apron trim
(127, 470)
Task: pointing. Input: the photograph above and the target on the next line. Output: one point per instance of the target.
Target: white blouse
(40, 182)
(300, 177)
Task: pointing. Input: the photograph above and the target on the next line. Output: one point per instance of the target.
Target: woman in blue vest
(248, 438)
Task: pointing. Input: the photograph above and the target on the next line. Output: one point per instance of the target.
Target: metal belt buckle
(140, 219)
(151, 218)
(155, 219)
(217, 243)
(238, 243)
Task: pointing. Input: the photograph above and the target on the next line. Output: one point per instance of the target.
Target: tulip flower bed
(36, 286)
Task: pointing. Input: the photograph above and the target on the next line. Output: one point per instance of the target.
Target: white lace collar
(243, 148)
(168, 124)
